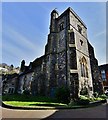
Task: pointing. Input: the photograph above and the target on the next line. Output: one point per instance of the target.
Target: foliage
(103, 96)
(92, 99)
(95, 94)
(28, 98)
(83, 97)
(83, 100)
(98, 99)
(36, 101)
(62, 94)
(26, 92)
(84, 91)
(72, 103)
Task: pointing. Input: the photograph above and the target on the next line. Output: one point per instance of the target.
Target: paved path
(94, 112)
(12, 113)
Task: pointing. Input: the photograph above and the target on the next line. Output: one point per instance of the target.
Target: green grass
(31, 101)
(34, 101)
(42, 104)
(41, 101)
(34, 104)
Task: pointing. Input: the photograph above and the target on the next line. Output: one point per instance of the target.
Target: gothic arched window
(83, 67)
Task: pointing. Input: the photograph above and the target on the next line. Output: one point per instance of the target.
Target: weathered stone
(68, 61)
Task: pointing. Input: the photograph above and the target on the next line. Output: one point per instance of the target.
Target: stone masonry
(67, 60)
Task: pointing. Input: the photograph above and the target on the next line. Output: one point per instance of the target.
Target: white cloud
(100, 33)
(20, 46)
(13, 50)
(20, 39)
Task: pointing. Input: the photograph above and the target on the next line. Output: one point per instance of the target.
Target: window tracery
(83, 66)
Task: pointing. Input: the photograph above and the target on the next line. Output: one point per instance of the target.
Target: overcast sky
(25, 27)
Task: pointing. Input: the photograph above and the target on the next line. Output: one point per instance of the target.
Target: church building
(69, 60)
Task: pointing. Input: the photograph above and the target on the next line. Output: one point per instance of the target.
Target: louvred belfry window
(61, 26)
(72, 38)
(79, 29)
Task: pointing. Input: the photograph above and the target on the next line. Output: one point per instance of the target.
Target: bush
(82, 97)
(26, 92)
(72, 103)
(84, 91)
(91, 99)
(95, 94)
(103, 96)
(62, 94)
(83, 100)
(27, 98)
(98, 99)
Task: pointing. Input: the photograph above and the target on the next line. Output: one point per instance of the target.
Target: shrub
(103, 96)
(62, 94)
(72, 103)
(98, 99)
(91, 99)
(95, 94)
(83, 97)
(84, 91)
(26, 92)
(27, 98)
(83, 100)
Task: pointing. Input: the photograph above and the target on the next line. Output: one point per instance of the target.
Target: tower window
(72, 38)
(81, 42)
(61, 26)
(79, 29)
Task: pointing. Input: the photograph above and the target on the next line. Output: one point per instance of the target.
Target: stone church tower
(68, 61)
(67, 51)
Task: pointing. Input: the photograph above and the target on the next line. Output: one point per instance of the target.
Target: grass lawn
(35, 104)
(32, 101)
(38, 102)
